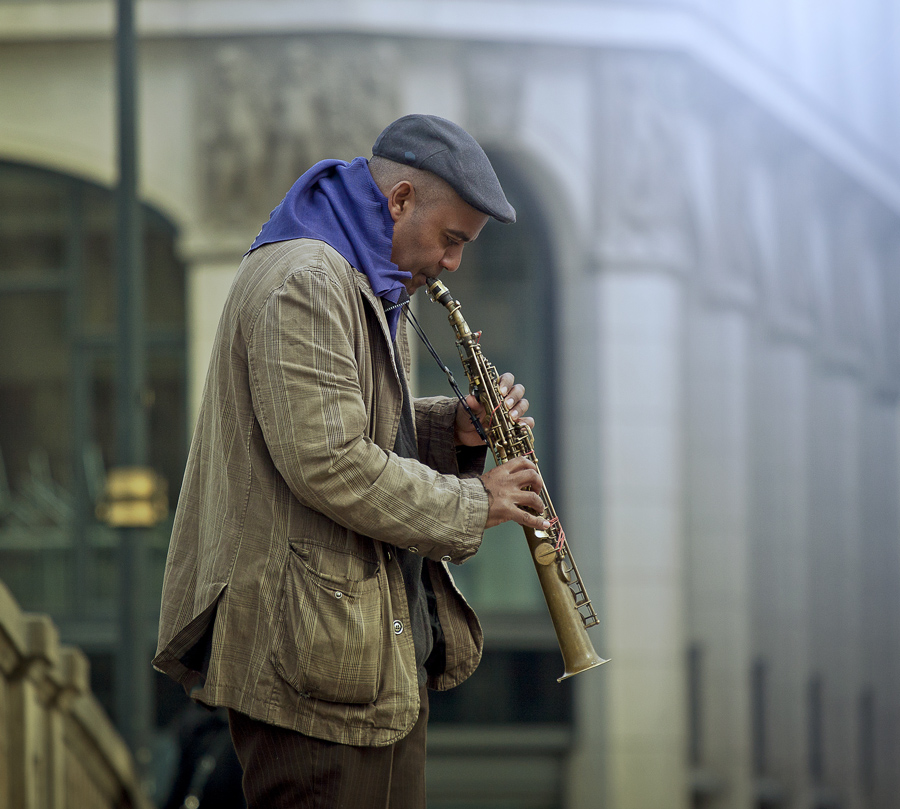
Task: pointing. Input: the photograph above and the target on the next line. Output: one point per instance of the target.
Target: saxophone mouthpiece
(438, 292)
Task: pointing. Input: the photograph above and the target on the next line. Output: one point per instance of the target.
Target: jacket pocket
(330, 636)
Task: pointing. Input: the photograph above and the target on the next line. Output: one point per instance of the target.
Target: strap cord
(479, 428)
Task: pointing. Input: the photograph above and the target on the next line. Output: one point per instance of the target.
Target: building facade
(701, 295)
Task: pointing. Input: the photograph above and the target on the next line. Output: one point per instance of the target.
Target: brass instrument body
(570, 608)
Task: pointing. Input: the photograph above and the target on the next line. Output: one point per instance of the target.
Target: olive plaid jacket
(282, 598)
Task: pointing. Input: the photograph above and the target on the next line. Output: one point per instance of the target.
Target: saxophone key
(544, 553)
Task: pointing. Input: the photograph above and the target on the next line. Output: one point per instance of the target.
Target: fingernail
(504, 390)
(546, 525)
(509, 402)
(514, 413)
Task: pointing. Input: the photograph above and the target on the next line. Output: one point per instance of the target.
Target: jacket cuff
(477, 504)
(435, 427)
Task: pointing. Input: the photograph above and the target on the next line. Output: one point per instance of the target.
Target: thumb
(474, 404)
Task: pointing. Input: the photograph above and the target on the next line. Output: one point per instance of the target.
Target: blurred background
(701, 294)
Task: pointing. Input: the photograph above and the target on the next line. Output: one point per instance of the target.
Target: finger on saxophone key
(513, 494)
(514, 401)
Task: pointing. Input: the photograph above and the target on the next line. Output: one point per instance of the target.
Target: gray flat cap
(437, 145)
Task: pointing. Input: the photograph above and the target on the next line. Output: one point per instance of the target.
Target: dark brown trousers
(284, 769)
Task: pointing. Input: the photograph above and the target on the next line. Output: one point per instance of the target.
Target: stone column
(779, 426)
(877, 718)
(717, 559)
(580, 429)
(833, 582)
(641, 248)
(641, 491)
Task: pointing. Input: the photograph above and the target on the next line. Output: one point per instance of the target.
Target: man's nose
(452, 258)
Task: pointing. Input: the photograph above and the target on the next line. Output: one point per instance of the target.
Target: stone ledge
(47, 685)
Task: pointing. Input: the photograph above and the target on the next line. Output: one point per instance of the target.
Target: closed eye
(455, 237)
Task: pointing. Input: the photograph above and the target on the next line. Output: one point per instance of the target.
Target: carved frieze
(269, 110)
(745, 220)
(795, 170)
(232, 134)
(853, 292)
(844, 337)
(782, 233)
(494, 81)
(754, 229)
(786, 176)
(643, 217)
(857, 319)
(297, 138)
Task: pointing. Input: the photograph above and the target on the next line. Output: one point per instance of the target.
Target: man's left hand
(514, 401)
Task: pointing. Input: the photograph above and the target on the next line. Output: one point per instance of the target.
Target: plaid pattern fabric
(281, 552)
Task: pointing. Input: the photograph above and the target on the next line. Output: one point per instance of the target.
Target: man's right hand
(512, 488)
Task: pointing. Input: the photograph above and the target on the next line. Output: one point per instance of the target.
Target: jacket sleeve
(435, 422)
(302, 358)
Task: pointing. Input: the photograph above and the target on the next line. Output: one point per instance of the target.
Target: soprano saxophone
(568, 603)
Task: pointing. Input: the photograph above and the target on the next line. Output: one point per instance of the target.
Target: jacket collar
(377, 307)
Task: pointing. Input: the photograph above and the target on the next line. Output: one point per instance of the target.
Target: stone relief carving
(295, 134)
(271, 110)
(762, 232)
(856, 312)
(772, 244)
(232, 135)
(494, 88)
(357, 99)
(858, 319)
(644, 215)
(795, 189)
(743, 205)
(782, 227)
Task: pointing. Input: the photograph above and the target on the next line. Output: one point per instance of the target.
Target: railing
(58, 749)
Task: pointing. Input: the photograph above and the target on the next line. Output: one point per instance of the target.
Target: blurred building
(702, 295)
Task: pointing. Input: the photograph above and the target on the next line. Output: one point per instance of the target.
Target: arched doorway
(57, 329)
(512, 713)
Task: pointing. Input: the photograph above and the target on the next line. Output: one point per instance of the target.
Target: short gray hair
(429, 187)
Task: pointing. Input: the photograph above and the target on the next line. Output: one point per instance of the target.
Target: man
(307, 587)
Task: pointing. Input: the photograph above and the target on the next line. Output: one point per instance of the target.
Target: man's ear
(401, 199)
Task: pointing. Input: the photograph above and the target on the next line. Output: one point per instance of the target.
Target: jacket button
(338, 594)
(398, 627)
(413, 549)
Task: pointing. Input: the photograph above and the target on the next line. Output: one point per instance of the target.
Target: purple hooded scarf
(339, 203)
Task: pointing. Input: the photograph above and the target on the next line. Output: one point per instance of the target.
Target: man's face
(430, 238)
